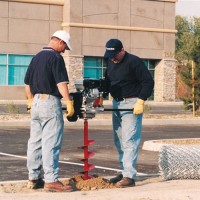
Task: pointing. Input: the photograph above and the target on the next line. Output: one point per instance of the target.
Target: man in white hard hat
(46, 82)
(64, 36)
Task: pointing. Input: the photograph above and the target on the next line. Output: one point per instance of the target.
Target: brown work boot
(57, 187)
(35, 184)
(125, 182)
(116, 179)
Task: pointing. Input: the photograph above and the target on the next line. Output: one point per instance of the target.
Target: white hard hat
(63, 35)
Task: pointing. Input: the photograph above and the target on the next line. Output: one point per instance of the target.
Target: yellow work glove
(70, 108)
(29, 105)
(138, 107)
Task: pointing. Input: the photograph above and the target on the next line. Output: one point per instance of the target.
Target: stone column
(165, 81)
(72, 12)
(74, 65)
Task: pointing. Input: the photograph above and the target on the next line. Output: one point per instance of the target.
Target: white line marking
(79, 164)
(97, 167)
(64, 162)
(12, 155)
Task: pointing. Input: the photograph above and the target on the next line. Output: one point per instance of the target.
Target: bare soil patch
(77, 182)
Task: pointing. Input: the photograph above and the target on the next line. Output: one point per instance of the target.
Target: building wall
(145, 27)
(25, 29)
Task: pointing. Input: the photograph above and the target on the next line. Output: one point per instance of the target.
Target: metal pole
(193, 98)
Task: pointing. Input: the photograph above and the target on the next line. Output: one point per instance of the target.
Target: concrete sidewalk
(145, 190)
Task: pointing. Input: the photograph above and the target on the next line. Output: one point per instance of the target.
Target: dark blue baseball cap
(113, 47)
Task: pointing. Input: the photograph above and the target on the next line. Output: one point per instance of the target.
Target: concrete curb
(152, 145)
(178, 121)
(100, 122)
(156, 145)
(105, 102)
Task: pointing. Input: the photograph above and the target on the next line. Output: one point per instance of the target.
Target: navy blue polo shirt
(46, 70)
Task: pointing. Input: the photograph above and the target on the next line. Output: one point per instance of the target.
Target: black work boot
(116, 179)
(35, 184)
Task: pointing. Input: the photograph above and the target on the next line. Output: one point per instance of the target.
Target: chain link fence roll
(180, 162)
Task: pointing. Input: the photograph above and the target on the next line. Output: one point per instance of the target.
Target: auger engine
(86, 98)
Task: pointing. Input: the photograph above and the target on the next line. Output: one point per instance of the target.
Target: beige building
(146, 28)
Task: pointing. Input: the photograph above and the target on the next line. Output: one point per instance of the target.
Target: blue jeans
(127, 129)
(46, 134)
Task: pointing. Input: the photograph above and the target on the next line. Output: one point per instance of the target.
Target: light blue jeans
(46, 134)
(127, 129)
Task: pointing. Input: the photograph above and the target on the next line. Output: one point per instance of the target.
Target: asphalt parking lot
(13, 140)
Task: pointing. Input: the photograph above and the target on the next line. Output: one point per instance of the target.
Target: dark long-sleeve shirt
(129, 78)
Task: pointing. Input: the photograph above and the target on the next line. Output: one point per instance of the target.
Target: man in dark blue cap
(130, 84)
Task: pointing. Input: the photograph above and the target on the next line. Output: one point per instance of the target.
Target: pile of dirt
(95, 183)
(77, 182)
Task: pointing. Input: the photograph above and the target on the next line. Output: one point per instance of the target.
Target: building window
(94, 67)
(13, 68)
(3, 69)
(151, 65)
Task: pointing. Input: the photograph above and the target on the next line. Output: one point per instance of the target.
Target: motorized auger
(86, 105)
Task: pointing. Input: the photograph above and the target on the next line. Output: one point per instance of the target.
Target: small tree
(196, 58)
(188, 49)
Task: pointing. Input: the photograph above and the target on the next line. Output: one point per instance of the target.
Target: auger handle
(111, 109)
(121, 109)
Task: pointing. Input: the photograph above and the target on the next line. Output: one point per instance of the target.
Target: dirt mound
(94, 183)
(77, 182)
